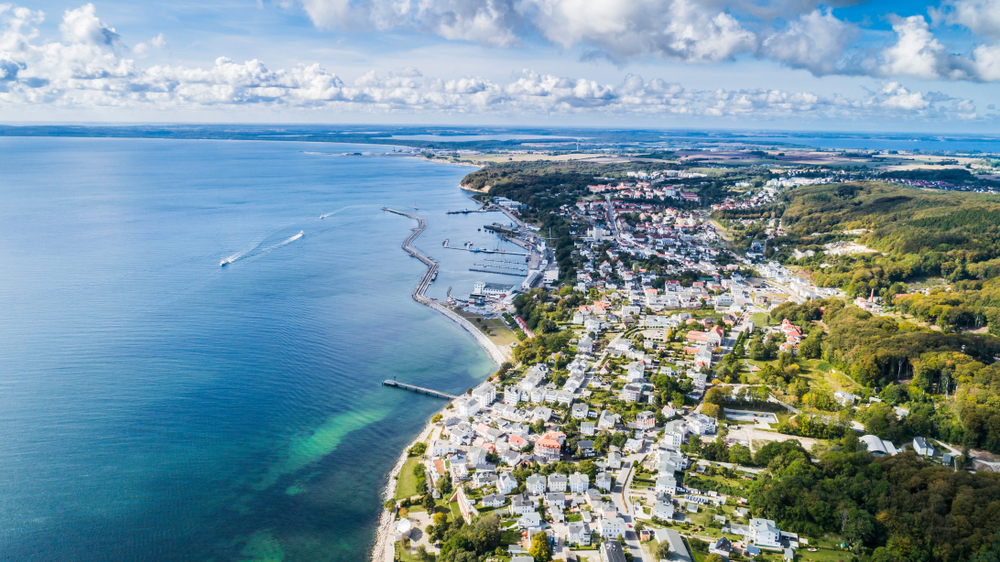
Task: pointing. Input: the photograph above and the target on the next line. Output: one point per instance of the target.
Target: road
(620, 498)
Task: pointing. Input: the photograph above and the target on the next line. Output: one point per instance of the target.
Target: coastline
(384, 532)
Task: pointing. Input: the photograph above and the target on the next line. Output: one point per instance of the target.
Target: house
(510, 458)
(721, 546)
(666, 485)
(611, 527)
(611, 551)
(604, 481)
(516, 442)
(631, 393)
(578, 483)
(555, 500)
(506, 483)
(484, 394)
(844, 398)
(614, 459)
(493, 500)
(441, 448)
(541, 413)
(535, 484)
(465, 406)
(672, 439)
(484, 479)
(580, 411)
(763, 532)
(878, 447)
(511, 396)
(645, 420)
(588, 428)
(557, 482)
(585, 449)
(578, 533)
(530, 521)
(701, 424)
(607, 420)
(923, 447)
(548, 448)
(586, 344)
(678, 550)
(663, 510)
(592, 497)
(521, 505)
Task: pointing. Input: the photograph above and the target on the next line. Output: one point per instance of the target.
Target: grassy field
(406, 486)
(498, 333)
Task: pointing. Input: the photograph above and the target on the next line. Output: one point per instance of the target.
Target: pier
(432, 267)
(418, 389)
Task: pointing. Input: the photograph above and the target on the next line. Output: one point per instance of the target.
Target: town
(635, 426)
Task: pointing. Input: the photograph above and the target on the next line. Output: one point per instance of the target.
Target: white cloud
(675, 29)
(982, 17)
(82, 26)
(84, 71)
(142, 50)
(815, 42)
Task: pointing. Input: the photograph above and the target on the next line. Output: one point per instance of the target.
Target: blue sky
(783, 64)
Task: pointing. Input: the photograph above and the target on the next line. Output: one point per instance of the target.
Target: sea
(157, 406)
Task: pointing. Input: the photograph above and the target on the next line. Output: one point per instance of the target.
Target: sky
(844, 65)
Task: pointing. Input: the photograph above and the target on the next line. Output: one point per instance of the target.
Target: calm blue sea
(156, 406)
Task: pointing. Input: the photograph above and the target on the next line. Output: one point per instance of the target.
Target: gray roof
(612, 552)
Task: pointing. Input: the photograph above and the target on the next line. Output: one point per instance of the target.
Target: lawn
(406, 486)
(499, 333)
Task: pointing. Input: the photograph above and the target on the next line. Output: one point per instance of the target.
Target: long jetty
(418, 293)
(432, 266)
(418, 389)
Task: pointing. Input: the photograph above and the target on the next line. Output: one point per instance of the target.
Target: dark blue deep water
(156, 406)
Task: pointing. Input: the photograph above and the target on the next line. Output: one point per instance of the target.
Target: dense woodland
(895, 508)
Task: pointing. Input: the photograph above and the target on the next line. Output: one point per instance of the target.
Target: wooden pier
(418, 389)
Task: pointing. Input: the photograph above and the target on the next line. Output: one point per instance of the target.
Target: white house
(922, 447)
(604, 481)
(580, 411)
(511, 395)
(611, 527)
(535, 484)
(701, 424)
(666, 485)
(521, 505)
(588, 428)
(440, 448)
(493, 500)
(672, 439)
(607, 420)
(586, 345)
(615, 460)
(557, 482)
(506, 483)
(465, 406)
(632, 392)
(485, 394)
(578, 533)
(764, 532)
(663, 510)
(578, 483)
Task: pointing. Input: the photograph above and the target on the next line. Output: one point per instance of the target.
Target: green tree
(428, 502)
(418, 449)
(540, 549)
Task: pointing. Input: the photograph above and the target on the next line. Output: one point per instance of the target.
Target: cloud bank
(85, 69)
(798, 34)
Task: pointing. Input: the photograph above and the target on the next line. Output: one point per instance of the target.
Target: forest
(917, 233)
(895, 508)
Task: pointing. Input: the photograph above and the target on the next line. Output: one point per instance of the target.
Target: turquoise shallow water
(157, 406)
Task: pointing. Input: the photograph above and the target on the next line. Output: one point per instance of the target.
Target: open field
(407, 484)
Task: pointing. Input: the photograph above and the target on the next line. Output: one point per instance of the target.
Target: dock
(418, 389)
(432, 266)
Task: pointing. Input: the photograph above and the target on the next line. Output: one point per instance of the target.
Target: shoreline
(384, 530)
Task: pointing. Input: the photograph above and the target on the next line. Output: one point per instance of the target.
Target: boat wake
(253, 251)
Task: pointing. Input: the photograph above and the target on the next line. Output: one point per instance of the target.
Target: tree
(538, 426)
(437, 418)
(712, 410)
(540, 549)
(663, 551)
(714, 558)
(715, 395)
(445, 487)
(428, 502)
(418, 449)
(740, 454)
